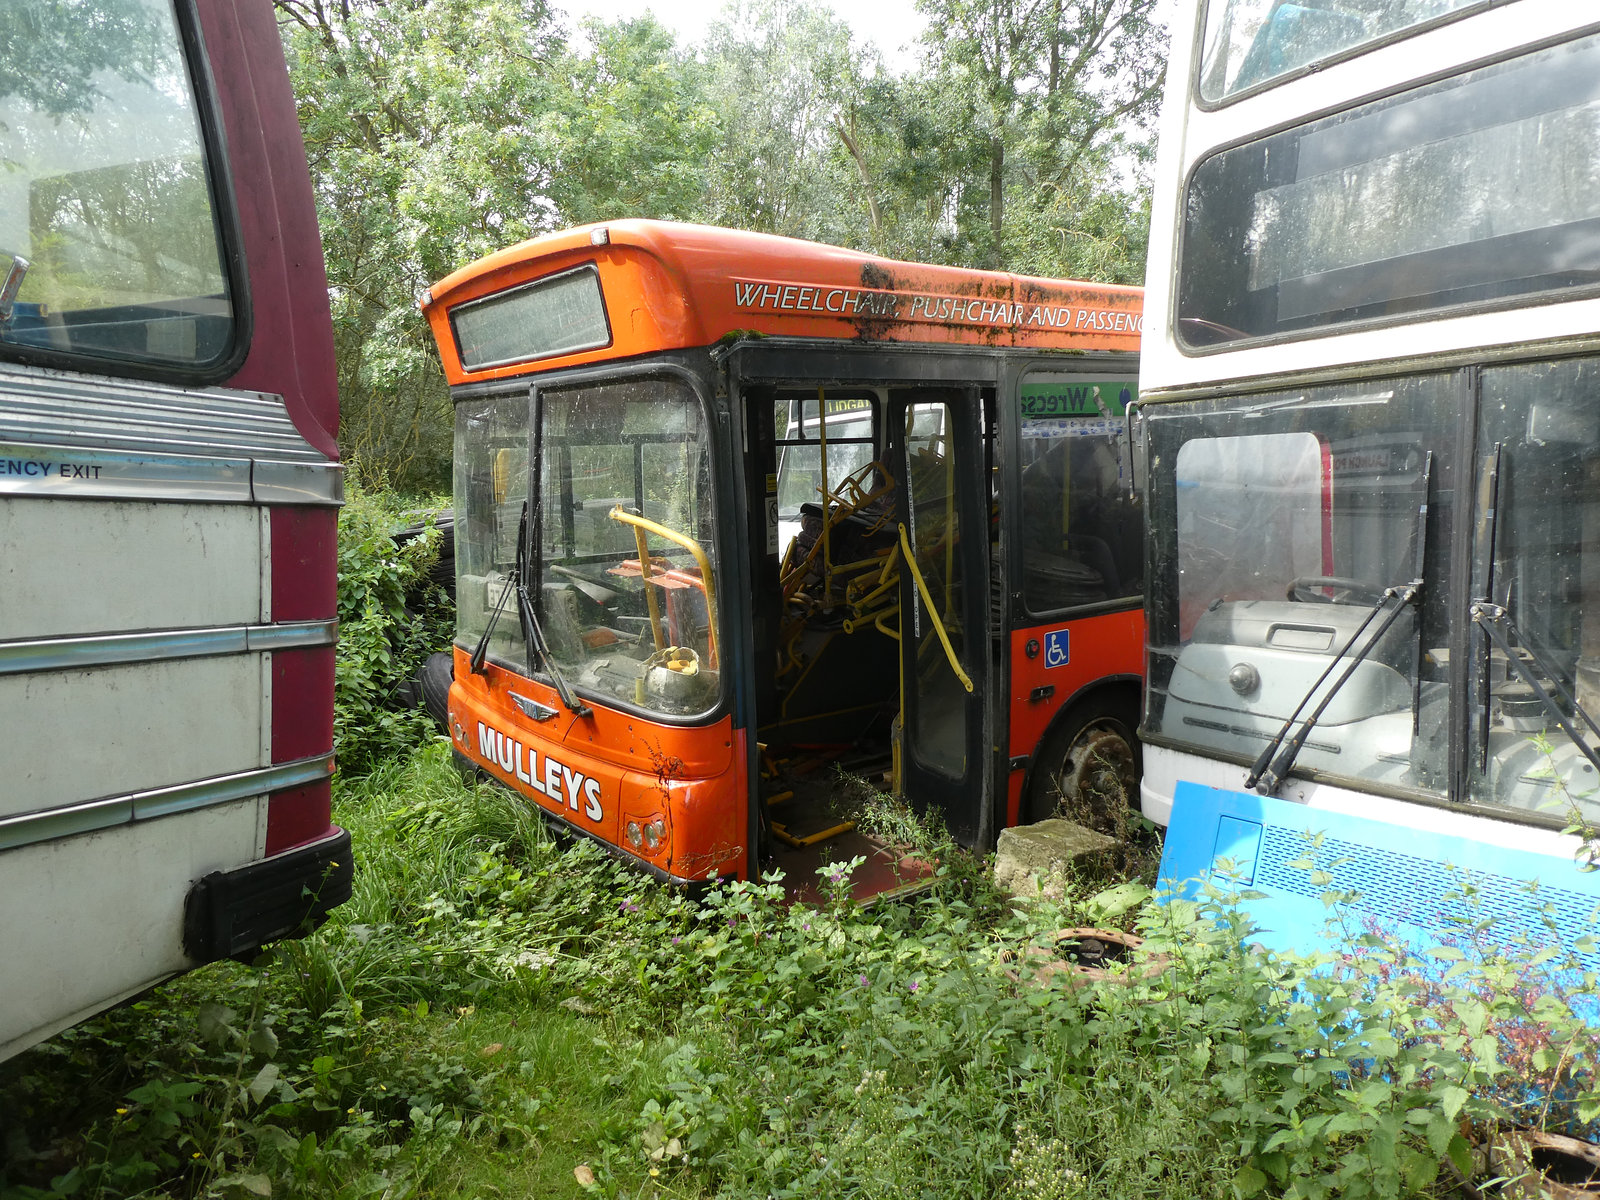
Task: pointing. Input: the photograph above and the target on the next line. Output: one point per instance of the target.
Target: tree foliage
(439, 130)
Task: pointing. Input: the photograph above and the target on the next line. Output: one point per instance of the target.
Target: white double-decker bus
(1371, 388)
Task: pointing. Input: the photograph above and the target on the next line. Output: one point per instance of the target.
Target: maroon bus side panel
(290, 353)
(293, 332)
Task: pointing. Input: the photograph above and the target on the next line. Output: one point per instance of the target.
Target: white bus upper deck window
(107, 225)
(1470, 190)
(1249, 42)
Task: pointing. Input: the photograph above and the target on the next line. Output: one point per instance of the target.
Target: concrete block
(1034, 862)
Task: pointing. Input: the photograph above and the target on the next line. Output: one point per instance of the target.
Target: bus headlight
(634, 836)
(654, 832)
(1244, 679)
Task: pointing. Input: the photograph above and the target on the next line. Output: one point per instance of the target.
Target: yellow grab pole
(642, 524)
(933, 613)
(648, 571)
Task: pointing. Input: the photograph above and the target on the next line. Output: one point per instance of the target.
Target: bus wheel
(436, 674)
(1088, 768)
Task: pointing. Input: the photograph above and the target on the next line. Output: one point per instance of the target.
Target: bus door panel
(944, 604)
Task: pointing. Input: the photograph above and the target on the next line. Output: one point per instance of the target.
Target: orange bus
(730, 507)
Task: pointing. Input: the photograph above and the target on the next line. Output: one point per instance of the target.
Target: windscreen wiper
(1496, 623)
(1277, 760)
(533, 633)
(1265, 778)
(481, 650)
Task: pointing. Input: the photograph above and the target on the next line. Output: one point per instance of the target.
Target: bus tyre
(435, 677)
(1088, 768)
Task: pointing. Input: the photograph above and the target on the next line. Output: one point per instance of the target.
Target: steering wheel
(1345, 591)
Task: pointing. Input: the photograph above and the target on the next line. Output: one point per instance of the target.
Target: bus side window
(106, 210)
(1081, 541)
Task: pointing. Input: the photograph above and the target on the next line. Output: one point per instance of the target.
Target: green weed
(498, 1013)
(382, 638)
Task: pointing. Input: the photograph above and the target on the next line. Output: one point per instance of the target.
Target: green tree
(790, 91)
(1056, 98)
(440, 130)
(633, 131)
(420, 119)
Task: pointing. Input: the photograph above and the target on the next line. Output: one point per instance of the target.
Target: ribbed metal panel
(93, 412)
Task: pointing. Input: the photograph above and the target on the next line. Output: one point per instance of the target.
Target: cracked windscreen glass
(626, 576)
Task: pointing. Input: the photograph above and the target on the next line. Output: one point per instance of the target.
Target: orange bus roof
(670, 286)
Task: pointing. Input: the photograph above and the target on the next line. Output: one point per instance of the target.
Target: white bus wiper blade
(1495, 622)
(1266, 774)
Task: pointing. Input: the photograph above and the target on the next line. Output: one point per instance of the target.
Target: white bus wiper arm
(1268, 774)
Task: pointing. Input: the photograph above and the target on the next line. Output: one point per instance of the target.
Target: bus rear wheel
(1088, 768)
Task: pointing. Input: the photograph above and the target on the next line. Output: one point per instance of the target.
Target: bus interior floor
(810, 828)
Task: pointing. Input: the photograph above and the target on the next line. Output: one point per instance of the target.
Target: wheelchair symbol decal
(1056, 651)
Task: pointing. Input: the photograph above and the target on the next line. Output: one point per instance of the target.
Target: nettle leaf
(1249, 1182)
(1419, 1170)
(262, 1084)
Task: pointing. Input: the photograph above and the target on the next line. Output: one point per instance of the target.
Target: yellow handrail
(647, 569)
(644, 524)
(933, 613)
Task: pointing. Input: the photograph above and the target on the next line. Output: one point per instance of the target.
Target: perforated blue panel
(1411, 882)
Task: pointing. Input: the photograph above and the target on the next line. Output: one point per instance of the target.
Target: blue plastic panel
(1402, 873)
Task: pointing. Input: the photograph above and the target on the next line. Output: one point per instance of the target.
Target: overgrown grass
(495, 1013)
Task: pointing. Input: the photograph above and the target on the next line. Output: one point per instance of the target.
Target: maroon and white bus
(168, 500)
